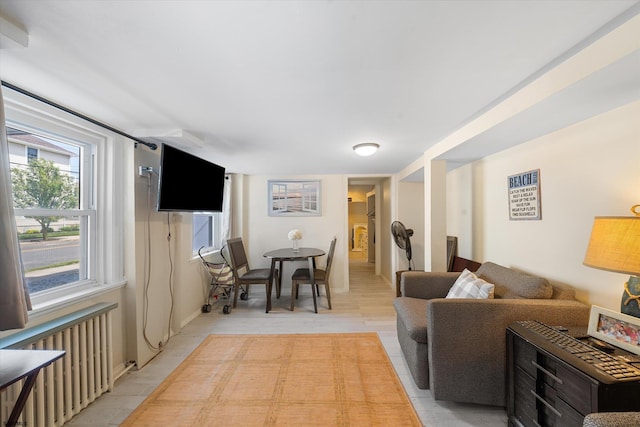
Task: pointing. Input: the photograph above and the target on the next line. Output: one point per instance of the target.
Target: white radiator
(71, 383)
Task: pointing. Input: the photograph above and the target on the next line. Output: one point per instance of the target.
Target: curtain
(14, 300)
(226, 209)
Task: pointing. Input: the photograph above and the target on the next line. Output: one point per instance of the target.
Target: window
(53, 215)
(207, 232)
(32, 154)
(69, 224)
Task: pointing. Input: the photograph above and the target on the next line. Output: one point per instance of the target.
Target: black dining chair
(246, 276)
(320, 276)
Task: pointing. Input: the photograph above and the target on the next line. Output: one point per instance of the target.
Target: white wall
(166, 282)
(411, 214)
(460, 201)
(384, 203)
(263, 232)
(588, 169)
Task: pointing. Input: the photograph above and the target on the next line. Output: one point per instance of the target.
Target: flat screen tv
(188, 183)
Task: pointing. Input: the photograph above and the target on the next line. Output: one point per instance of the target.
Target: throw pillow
(468, 285)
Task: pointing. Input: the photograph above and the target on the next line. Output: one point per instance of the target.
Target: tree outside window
(43, 185)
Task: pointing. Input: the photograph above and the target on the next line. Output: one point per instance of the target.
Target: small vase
(295, 245)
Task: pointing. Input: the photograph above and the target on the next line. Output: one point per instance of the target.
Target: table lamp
(615, 246)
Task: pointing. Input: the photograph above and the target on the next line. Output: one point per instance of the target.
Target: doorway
(371, 224)
(365, 222)
(359, 228)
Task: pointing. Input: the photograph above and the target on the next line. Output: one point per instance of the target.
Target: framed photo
(618, 329)
(524, 195)
(294, 198)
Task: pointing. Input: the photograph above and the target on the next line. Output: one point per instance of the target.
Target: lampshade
(615, 245)
(366, 149)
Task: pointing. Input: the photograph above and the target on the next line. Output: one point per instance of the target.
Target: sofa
(456, 347)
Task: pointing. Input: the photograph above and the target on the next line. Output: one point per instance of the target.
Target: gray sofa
(457, 347)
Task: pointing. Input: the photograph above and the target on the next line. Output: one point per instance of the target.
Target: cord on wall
(146, 171)
(170, 277)
(147, 265)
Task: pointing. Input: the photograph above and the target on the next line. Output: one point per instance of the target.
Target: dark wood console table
(16, 365)
(556, 379)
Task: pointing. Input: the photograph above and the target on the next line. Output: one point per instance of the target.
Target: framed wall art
(524, 195)
(294, 198)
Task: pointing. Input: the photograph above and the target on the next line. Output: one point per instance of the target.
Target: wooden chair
(321, 277)
(246, 276)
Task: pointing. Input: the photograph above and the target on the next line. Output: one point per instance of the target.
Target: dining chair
(246, 276)
(321, 277)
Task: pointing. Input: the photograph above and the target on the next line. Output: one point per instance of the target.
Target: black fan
(402, 235)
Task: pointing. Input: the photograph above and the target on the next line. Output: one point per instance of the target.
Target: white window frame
(102, 214)
(309, 198)
(216, 232)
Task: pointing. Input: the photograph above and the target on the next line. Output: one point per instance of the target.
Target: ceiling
(288, 87)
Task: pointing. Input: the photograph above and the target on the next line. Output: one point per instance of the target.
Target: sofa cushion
(413, 314)
(514, 284)
(468, 285)
(561, 291)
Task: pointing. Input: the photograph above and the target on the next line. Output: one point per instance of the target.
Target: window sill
(68, 299)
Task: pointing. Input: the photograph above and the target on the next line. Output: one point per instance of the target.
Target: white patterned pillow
(468, 285)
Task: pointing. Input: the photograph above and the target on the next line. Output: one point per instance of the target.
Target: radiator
(71, 383)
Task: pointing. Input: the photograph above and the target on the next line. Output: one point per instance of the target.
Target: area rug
(281, 380)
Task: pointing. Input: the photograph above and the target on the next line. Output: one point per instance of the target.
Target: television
(188, 183)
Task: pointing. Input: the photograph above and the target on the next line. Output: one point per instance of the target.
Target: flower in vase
(295, 234)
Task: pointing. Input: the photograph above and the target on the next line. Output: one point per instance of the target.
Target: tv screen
(188, 183)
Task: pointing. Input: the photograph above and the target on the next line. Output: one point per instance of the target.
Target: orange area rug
(281, 380)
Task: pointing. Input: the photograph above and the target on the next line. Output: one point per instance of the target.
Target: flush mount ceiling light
(366, 149)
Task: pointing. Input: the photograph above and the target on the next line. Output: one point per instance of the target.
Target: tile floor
(367, 307)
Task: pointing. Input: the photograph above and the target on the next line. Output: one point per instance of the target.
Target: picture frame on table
(617, 329)
(295, 198)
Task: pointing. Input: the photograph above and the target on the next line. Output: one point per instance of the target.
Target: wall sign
(524, 195)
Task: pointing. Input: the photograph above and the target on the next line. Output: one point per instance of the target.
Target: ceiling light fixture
(366, 149)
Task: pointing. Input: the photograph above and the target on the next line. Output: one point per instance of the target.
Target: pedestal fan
(402, 235)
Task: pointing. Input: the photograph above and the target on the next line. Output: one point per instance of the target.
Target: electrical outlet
(144, 170)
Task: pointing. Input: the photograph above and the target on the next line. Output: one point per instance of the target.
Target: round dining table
(290, 254)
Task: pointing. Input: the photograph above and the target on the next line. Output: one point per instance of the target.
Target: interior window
(206, 232)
